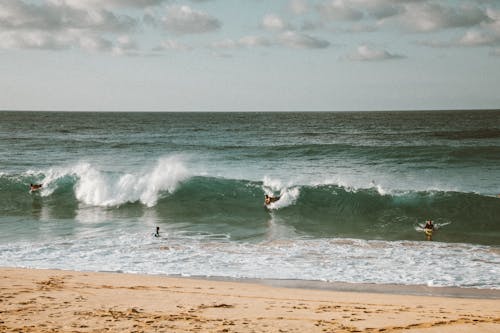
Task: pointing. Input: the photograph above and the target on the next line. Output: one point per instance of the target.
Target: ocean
(355, 191)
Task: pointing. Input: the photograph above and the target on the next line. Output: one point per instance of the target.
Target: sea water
(356, 189)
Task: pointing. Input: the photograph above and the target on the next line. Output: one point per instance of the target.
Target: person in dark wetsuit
(157, 234)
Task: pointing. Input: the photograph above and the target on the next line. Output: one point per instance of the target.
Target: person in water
(428, 229)
(35, 187)
(157, 234)
(268, 199)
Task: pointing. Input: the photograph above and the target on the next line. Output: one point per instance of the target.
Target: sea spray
(100, 189)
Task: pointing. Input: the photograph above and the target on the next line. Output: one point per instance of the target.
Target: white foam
(341, 260)
(288, 194)
(95, 188)
(98, 188)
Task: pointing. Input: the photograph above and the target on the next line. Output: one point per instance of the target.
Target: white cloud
(340, 10)
(273, 22)
(369, 53)
(44, 40)
(298, 7)
(290, 39)
(125, 45)
(34, 40)
(476, 38)
(184, 20)
(59, 25)
(244, 42)
(253, 41)
(95, 44)
(302, 41)
(21, 15)
(110, 3)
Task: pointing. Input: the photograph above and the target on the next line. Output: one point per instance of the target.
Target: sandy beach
(68, 301)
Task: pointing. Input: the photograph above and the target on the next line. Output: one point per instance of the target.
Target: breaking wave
(328, 210)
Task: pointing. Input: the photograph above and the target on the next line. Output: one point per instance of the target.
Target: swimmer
(268, 199)
(428, 229)
(35, 187)
(157, 234)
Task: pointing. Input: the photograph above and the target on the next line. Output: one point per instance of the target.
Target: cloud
(477, 38)
(54, 41)
(339, 10)
(298, 7)
(171, 44)
(487, 33)
(273, 22)
(369, 53)
(429, 17)
(94, 43)
(20, 15)
(125, 45)
(301, 41)
(244, 42)
(184, 20)
(35, 40)
(290, 39)
(413, 15)
(58, 25)
(111, 3)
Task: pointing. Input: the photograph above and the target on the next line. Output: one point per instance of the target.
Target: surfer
(428, 229)
(35, 187)
(268, 199)
(157, 234)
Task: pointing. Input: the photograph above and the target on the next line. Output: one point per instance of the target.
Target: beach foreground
(68, 301)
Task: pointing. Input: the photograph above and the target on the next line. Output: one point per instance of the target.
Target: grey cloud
(184, 20)
(34, 40)
(471, 38)
(20, 15)
(172, 45)
(114, 3)
(303, 41)
(429, 17)
(339, 10)
(415, 15)
(244, 42)
(44, 40)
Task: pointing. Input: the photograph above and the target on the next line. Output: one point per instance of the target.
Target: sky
(249, 55)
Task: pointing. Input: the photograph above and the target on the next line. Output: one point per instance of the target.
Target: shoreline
(335, 286)
(392, 289)
(36, 300)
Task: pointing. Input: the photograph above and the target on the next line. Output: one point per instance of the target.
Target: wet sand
(66, 301)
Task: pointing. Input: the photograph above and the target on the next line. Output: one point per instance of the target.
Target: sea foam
(99, 188)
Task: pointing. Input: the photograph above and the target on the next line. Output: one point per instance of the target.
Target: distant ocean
(356, 189)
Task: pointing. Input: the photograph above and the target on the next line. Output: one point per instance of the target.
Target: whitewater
(355, 190)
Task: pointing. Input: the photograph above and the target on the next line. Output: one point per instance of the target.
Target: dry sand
(66, 301)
